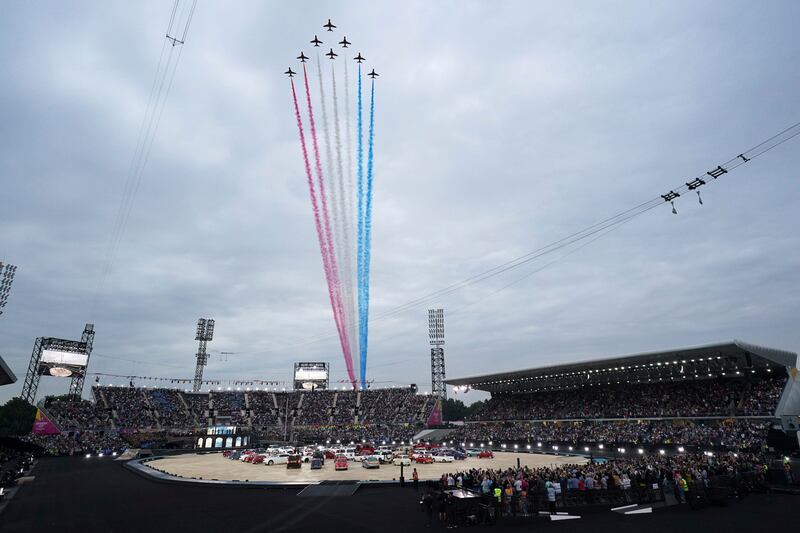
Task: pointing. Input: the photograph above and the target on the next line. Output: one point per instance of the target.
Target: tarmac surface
(75, 494)
(215, 466)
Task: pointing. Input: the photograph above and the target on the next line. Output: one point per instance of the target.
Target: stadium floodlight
(622, 450)
(503, 446)
(662, 452)
(641, 451)
(600, 446)
(490, 443)
(481, 445)
(555, 448)
(539, 444)
(88, 455)
(586, 448)
(680, 449)
(515, 446)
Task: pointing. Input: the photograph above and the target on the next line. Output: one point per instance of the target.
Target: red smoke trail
(336, 303)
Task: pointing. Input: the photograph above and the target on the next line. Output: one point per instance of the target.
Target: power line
(159, 91)
(611, 222)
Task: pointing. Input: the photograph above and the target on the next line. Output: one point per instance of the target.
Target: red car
(329, 454)
(257, 459)
(340, 463)
(423, 459)
(486, 454)
(249, 458)
(366, 450)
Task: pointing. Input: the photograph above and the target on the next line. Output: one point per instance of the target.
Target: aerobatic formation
(340, 189)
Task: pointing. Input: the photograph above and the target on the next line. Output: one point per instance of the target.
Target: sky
(500, 127)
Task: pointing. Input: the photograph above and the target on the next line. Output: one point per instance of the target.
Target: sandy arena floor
(215, 466)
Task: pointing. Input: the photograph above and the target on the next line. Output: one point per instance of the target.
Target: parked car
(330, 454)
(439, 458)
(294, 461)
(384, 456)
(401, 460)
(370, 461)
(258, 459)
(486, 454)
(279, 459)
(340, 463)
(316, 463)
(473, 452)
(318, 454)
(423, 459)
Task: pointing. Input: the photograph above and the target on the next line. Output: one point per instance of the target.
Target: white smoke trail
(350, 204)
(334, 193)
(346, 252)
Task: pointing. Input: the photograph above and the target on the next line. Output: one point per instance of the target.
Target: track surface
(100, 495)
(214, 466)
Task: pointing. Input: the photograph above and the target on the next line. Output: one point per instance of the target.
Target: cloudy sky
(500, 127)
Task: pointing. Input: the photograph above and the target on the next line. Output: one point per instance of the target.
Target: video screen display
(62, 364)
(311, 376)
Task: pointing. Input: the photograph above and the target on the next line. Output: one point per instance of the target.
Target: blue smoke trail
(362, 324)
(368, 235)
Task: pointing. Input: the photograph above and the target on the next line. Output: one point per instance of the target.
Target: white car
(350, 453)
(401, 460)
(384, 456)
(443, 458)
(280, 459)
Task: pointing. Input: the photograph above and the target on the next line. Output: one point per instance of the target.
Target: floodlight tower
(76, 385)
(205, 332)
(6, 277)
(436, 334)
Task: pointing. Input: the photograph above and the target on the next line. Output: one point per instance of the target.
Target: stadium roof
(728, 359)
(7, 377)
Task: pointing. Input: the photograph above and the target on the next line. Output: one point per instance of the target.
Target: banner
(43, 426)
(435, 419)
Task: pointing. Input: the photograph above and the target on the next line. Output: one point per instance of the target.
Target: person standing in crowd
(551, 497)
(683, 488)
(427, 506)
(415, 478)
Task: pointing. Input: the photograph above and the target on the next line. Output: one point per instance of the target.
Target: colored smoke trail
(345, 239)
(351, 198)
(364, 334)
(335, 228)
(360, 230)
(324, 234)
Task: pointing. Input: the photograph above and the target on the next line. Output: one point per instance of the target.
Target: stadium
(596, 200)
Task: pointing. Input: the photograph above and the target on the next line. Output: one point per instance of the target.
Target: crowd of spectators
(129, 407)
(198, 406)
(71, 415)
(316, 407)
(720, 397)
(393, 406)
(524, 490)
(169, 408)
(230, 404)
(741, 434)
(13, 464)
(263, 412)
(761, 398)
(78, 443)
(345, 410)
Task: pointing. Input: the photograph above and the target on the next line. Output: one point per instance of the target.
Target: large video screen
(62, 364)
(308, 376)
